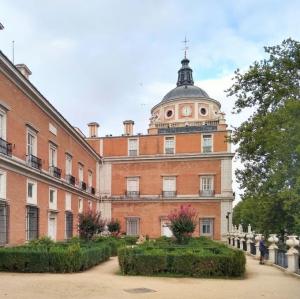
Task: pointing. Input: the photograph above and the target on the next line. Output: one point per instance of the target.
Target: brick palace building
(50, 172)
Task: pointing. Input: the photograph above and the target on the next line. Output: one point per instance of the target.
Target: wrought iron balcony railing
(82, 185)
(55, 171)
(207, 149)
(91, 190)
(207, 192)
(132, 153)
(132, 194)
(70, 179)
(169, 194)
(34, 161)
(169, 150)
(5, 147)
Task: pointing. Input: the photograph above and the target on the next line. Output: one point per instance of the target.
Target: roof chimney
(24, 70)
(93, 129)
(128, 127)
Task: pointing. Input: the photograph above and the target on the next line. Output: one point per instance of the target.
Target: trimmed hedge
(57, 258)
(200, 258)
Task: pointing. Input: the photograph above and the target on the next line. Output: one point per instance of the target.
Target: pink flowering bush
(183, 223)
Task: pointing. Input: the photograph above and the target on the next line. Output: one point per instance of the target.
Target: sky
(108, 61)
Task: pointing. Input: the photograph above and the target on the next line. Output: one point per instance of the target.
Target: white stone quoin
(292, 254)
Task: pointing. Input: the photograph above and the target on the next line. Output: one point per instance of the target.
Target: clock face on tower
(186, 111)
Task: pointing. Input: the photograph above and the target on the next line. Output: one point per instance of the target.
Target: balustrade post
(249, 237)
(292, 254)
(272, 248)
(258, 237)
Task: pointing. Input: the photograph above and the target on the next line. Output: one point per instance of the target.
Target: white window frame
(52, 216)
(168, 189)
(3, 185)
(212, 142)
(69, 162)
(31, 200)
(90, 178)
(80, 205)
(80, 172)
(135, 148)
(53, 205)
(52, 158)
(3, 125)
(211, 223)
(204, 185)
(68, 202)
(166, 142)
(34, 145)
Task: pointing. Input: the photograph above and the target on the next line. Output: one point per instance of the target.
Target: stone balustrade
(286, 258)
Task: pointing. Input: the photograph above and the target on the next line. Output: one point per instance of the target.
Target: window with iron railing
(70, 179)
(169, 145)
(132, 147)
(69, 225)
(4, 213)
(133, 187)
(207, 186)
(169, 187)
(82, 185)
(207, 144)
(132, 226)
(55, 171)
(32, 223)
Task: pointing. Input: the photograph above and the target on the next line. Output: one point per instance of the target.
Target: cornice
(11, 72)
(25, 170)
(180, 157)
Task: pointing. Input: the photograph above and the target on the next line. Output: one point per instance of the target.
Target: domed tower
(186, 108)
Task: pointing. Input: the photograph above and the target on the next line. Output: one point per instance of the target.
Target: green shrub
(90, 224)
(114, 227)
(199, 258)
(60, 258)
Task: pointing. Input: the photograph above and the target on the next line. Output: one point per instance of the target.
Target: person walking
(263, 250)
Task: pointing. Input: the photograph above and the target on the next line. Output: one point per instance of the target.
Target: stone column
(242, 239)
(257, 239)
(292, 254)
(272, 248)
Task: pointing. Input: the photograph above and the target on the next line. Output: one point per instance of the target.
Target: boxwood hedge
(200, 258)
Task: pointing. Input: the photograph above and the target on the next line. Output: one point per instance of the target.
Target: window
(3, 223)
(52, 226)
(90, 204)
(2, 124)
(132, 147)
(52, 199)
(206, 186)
(52, 155)
(80, 205)
(80, 172)
(207, 143)
(132, 187)
(68, 164)
(165, 228)
(90, 179)
(133, 226)
(32, 223)
(31, 192)
(2, 185)
(207, 227)
(169, 186)
(68, 202)
(69, 225)
(31, 143)
(169, 145)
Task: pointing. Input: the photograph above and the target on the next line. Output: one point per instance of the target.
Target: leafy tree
(269, 141)
(114, 227)
(90, 224)
(183, 223)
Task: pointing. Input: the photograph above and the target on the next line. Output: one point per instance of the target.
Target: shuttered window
(3, 223)
(69, 225)
(32, 223)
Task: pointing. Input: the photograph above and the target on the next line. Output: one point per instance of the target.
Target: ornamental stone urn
(292, 254)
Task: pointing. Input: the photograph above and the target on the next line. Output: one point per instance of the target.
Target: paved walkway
(102, 282)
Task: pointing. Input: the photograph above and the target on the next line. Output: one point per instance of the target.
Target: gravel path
(103, 282)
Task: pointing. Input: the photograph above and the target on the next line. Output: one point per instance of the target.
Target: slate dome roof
(185, 91)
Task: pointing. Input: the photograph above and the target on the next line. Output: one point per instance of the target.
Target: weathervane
(185, 46)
